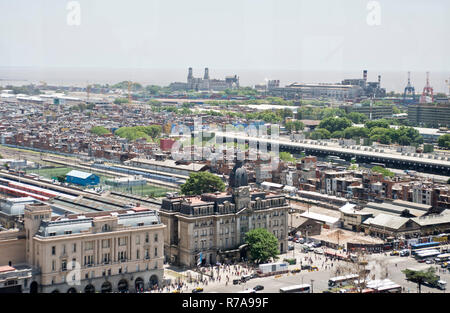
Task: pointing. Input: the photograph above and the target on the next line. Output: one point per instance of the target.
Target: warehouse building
(82, 178)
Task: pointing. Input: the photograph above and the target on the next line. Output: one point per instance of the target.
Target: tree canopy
(292, 126)
(444, 141)
(138, 132)
(202, 182)
(333, 124)
(99, 130)
(263, 245)
(422, 277)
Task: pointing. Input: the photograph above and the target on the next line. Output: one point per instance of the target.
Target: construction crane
(427, 93)
(409, 92)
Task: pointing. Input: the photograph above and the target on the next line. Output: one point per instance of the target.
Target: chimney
(206, 73)
(190, 75)
(365, 75)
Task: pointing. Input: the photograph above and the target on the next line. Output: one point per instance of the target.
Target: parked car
(306, 267)
(404, 253)
(236, 281)
(258, 288)
(444, 265)
(291, 247)
(421, 261)
(316, 244)
(301, 240)
(318, 251)
(313, 268)
(429, 262)
(295, 270)
(395, 252)
(197, 290)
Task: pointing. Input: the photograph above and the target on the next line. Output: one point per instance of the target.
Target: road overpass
(426, 163)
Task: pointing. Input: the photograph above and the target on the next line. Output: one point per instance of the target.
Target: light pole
(312, 285)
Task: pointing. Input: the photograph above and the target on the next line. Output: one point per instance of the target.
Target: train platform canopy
(343, 237)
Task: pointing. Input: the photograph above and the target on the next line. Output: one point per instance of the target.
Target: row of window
(104, 273)
(106, 243)
(122, 256)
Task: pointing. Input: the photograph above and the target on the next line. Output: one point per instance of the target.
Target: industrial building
(431, 115)
(372, 112)
(348, 89)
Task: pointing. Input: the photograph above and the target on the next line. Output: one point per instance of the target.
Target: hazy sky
(228, 34)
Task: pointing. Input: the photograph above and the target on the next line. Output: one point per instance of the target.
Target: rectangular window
(89, 245)
(156, 252)
(63, 265)
(146, 237)
(106, 257)
(137, 254)
(122, 241)
(156, 237)
(53, 265)
(105, 243)
(138, 239)
(74, 247)
(53, 250)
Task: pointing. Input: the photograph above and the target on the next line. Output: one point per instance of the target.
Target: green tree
(337, 134)
(422, 277)
(356, 132)
(99, 130)
(377, 123)
(333, 124)
(263, 245)
(320, 133)
(61, 178)
(292, 126)
(286, 157)
(357, 118)
(202, 182)
(444, 141)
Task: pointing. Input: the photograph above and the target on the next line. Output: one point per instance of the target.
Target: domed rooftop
(238, 176)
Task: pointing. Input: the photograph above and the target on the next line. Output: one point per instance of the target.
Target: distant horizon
(77, 76)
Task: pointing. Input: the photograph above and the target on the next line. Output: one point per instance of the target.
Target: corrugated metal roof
(79, 174)
(388, 221)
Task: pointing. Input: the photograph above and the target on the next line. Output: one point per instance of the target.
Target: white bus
(296, 289)
(442, 258)
(342, 280)
(423, 255)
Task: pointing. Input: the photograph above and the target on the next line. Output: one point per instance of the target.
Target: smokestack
(365, 75)
(379, 81)
(206, 73)
(190, 76)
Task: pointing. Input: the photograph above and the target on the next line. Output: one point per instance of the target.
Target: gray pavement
(381, 266)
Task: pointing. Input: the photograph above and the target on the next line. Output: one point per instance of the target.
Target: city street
(380, 265)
